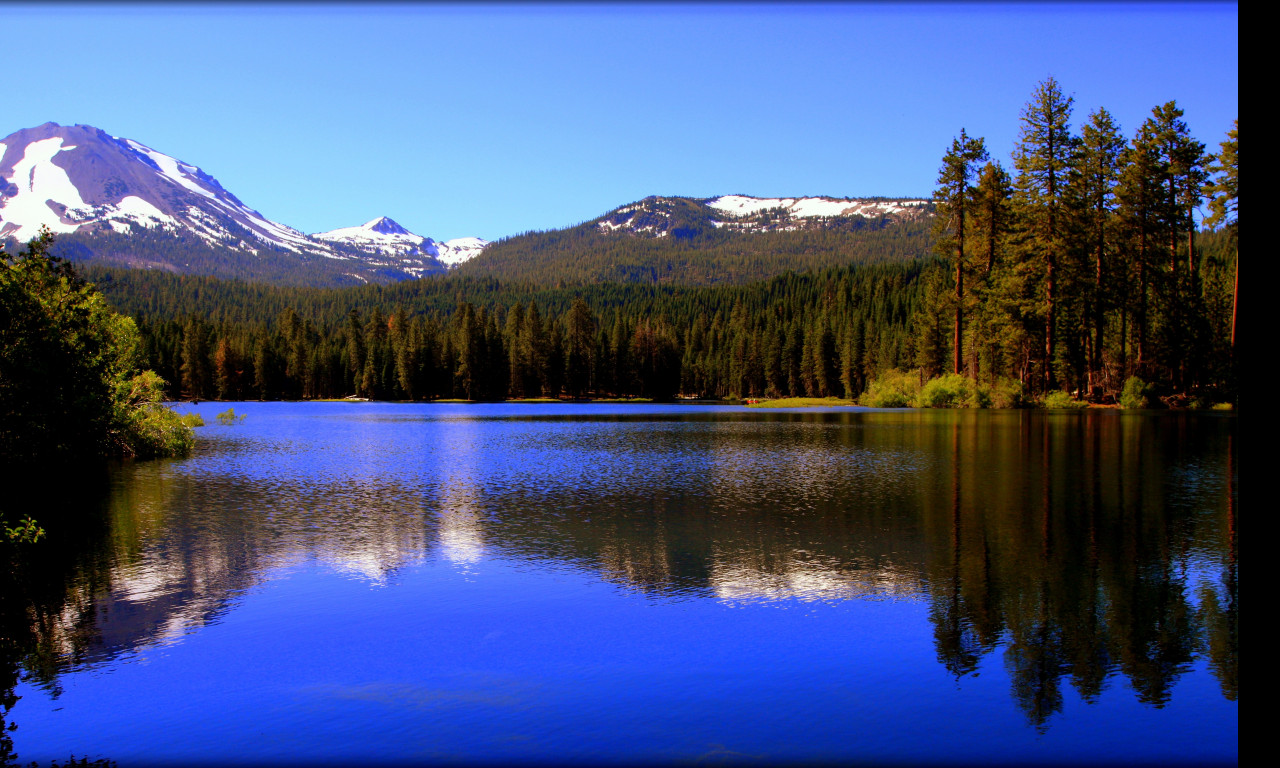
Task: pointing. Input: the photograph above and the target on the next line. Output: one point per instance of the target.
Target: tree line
(816, 333)
(1082, 267)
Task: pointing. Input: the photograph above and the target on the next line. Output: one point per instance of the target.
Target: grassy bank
(802, 402)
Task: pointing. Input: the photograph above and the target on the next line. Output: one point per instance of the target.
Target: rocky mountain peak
(386, 226)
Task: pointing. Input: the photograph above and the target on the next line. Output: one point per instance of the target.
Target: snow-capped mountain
(662, 216)
(746, 212)
(460, 249)
(81, 180)
(119, 201)
(385, 237)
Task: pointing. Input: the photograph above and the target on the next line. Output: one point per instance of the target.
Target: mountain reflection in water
(1075, 548)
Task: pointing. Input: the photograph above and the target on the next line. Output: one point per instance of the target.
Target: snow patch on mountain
(810, 207)
(38, 182)
(456, 251)
(684, 217)
(143, 212)
(382, 231)
(171, 168)
(385, 236)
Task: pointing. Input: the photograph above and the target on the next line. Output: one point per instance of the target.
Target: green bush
(24, 532)
(69, 381)
(892, 389)
(147, 427)
(192, 419)
(229, 417)
(1059, 400)
(1007, 393)
(1136, 394)
(951, 390)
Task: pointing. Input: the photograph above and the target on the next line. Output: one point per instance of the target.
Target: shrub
(192, 419)
(68, 388)
(951, 390)
(1059, 399)
(1136, 394)
(24, 532)
(229, 417)
(147, 427)
(1007, 393)
(892, 389)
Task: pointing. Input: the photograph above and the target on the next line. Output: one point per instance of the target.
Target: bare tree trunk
(1049, 340)
(959, 308)
(1096, 356)
(1235, 298)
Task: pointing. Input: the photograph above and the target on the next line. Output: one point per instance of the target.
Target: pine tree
(195, 359)
(1185, 174)
(1224, 206)
(404, 352)
(1043, 157)
(535, 349)
(622, 373)
(579, 348)
(954, 197)
(1098, 173)
(515, 339)
(1141, 212)
(992, 218)
(468, 338)
(355, 349)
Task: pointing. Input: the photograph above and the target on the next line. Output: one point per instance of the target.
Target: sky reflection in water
(394, 583)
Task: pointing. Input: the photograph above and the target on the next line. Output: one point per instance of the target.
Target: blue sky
(489, 120)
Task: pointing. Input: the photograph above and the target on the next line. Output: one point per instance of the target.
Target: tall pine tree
(955, 199)
(1043, 157)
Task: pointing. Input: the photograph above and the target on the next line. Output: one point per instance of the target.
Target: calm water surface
(380, 583)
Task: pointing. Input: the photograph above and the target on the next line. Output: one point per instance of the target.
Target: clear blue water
(381, 583)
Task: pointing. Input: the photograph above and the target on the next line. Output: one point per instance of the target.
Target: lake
(379, 583)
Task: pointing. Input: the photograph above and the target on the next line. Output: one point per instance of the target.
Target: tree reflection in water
(1084, 548)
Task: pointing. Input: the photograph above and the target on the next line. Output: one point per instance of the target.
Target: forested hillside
(393, 342)
(185, 253)
(817, 334)
(685, 242)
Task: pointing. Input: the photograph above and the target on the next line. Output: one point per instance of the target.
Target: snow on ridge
(272, 231)
(454, 252)
(610, 226)
(367, 233)
(451, 253)
(739, 205)
(180, 173)
(136, 208)
(808, 207)
(170, 168)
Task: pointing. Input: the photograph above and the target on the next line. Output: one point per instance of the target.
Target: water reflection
(1079, 548)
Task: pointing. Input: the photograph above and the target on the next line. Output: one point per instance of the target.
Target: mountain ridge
(118, 201)
(85, 184)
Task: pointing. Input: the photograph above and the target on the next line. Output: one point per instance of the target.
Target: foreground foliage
(70, 385)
